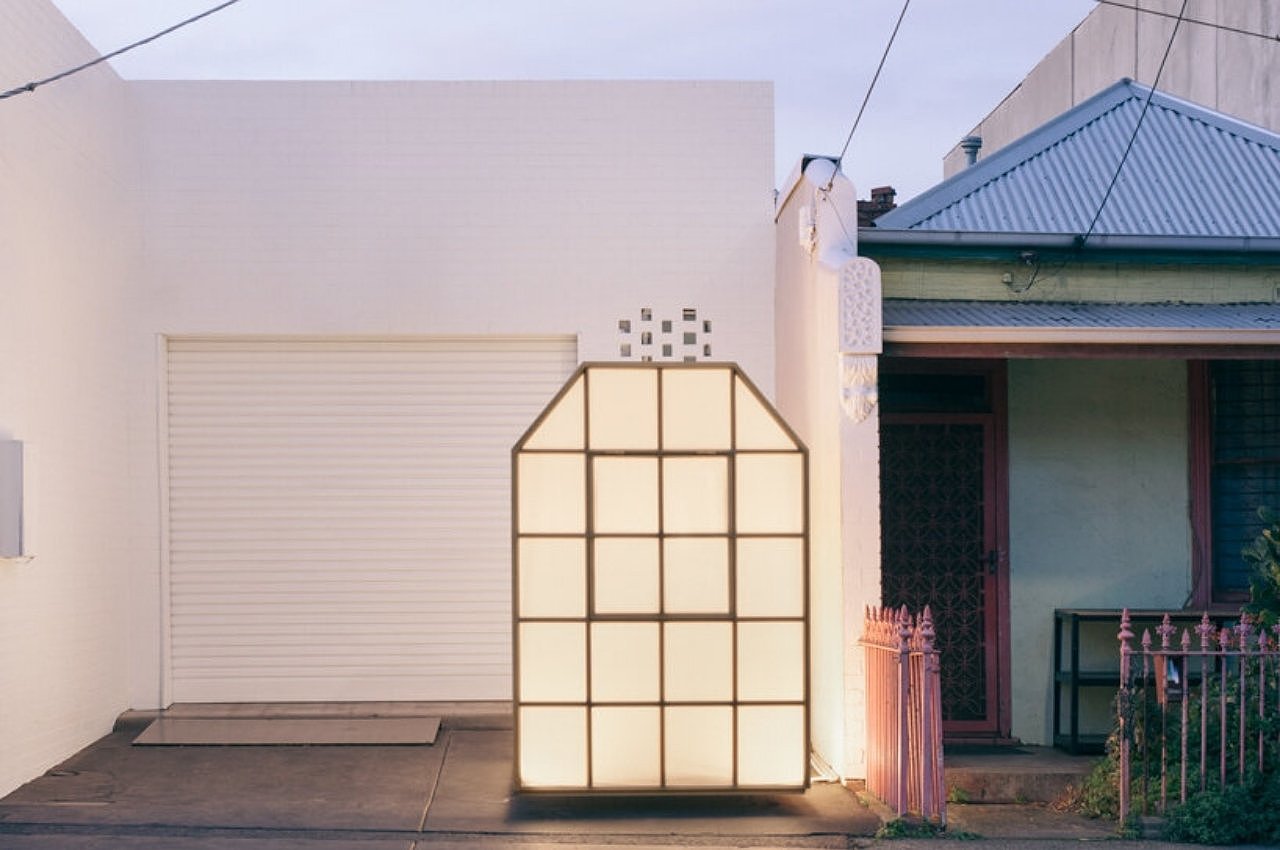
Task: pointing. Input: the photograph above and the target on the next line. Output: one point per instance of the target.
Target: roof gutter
(875, 241)
(1055, 335)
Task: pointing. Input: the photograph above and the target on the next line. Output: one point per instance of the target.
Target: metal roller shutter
(338, 514)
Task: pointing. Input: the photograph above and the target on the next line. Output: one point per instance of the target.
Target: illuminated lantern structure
(661, 593)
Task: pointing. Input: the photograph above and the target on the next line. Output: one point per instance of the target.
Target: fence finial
(927, 633)
(1244, 630)
(1165, 630)
(1205, 629)
(904, 628)
(1126, 631)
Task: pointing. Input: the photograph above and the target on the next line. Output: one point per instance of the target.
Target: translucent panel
(623, 406)
(695, 495)
(552, 494)
(553, 662)
(771, 661)
(553, 747)
(770, 577)
(695, 409)
(696, 575)
(626, 495)
(626, 575)
(699, 745)
(698, 662)
(562, 425)
(553, 577)
(757, 427)
(772, 750)
(626, 748)
(624, 662)
(770, 493)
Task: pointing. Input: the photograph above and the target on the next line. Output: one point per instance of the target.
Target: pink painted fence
(904, 713)
(1195, 712)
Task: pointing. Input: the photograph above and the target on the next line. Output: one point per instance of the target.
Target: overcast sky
(953, 61)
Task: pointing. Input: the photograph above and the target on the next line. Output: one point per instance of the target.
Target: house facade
(270, 344)
(1074, 402)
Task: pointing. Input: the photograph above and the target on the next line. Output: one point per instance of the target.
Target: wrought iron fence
(1195, 713)
(904, 712)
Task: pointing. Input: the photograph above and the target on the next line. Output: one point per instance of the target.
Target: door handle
(993, 561)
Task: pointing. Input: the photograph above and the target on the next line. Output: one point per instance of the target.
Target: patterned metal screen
(932, 533)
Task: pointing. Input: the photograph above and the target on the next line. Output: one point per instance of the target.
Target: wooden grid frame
(747, 704)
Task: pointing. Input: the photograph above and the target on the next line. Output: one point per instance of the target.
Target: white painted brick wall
(67, 239)
(129, 211)
(450, 207)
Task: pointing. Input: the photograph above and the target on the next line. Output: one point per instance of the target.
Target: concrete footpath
(455, 793)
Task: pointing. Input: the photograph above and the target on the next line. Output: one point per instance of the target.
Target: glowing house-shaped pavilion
(660, 534)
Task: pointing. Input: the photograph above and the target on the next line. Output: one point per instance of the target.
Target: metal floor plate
(289, 731)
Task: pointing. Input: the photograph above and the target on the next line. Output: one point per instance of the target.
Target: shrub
(1263, 558)
(1237, 814)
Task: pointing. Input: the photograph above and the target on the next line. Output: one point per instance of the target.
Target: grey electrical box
(10, 499)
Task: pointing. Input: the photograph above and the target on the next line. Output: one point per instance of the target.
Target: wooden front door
(943, 527)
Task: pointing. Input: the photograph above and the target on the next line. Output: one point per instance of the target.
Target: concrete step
(1014, 775)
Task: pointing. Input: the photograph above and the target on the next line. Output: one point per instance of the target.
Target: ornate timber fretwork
(859, 390)
(861, 336)
(860, 328)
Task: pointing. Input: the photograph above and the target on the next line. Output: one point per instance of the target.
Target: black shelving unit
(1069, 678)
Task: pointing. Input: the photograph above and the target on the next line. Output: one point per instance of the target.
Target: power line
(1080, 241)
(32, 86)
(1133, 137)
(1211, 24)
(874, 79)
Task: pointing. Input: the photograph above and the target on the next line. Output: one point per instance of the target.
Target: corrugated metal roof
(906, 312)
(1192, 172)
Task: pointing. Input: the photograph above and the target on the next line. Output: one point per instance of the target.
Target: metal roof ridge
(984, 171)
(965, 186)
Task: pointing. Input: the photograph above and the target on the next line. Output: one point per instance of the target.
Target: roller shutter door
(339, 514)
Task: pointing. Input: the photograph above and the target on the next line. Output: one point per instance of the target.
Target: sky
(952, 62)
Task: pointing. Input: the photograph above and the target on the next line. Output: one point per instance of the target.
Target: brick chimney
(881, 202)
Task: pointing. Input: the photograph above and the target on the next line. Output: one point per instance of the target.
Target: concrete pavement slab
(1026, 821)
(111, 782)
(192, 842)
(475, 794)
(1036, 844)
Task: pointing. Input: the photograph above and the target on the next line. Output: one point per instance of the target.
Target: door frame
(996, 521)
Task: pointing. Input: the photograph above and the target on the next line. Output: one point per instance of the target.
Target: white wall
(131, 211)
(844, 463)
(1214, 67)
(415, 208)
(69, 244)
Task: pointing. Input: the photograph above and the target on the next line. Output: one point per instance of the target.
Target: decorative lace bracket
(861, 337)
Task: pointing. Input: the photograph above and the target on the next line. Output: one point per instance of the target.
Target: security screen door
(941, 485)
(661, 596)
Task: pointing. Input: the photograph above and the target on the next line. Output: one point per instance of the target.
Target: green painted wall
(1098, 496)
(1115, 283)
